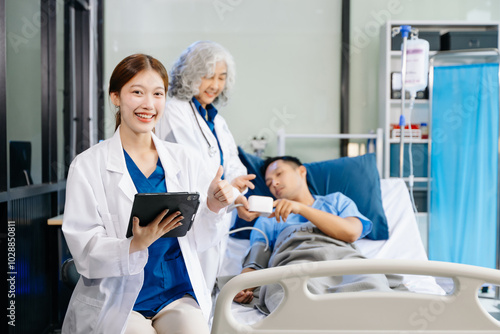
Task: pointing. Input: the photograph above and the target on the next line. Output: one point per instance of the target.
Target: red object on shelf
(413, 126)
(415, 131)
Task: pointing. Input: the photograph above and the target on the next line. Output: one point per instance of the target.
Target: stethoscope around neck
(212, 150)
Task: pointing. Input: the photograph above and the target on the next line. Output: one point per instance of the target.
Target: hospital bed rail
(282, 136)
(364, 312)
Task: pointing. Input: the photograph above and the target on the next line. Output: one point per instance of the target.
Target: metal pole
(405, 30)
(344, 74)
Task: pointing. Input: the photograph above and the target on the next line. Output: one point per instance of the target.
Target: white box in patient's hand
(261, 204)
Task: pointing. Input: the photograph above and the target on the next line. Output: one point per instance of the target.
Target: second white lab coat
(99, 198)
(179, 124)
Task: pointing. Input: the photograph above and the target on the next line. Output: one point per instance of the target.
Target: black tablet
(147, 206)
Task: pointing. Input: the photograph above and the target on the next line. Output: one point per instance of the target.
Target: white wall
(23, 73)
(287, 55)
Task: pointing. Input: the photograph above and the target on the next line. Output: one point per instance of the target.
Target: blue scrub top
(209, 116)
(165, 275)
(336, 203)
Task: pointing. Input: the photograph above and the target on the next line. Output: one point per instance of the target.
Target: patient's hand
(245, 296)
(243, 212)
(284, 207)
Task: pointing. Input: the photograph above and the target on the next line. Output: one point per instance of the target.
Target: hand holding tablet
(147, 207)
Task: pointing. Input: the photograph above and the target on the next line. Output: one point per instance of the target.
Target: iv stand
(405, 30)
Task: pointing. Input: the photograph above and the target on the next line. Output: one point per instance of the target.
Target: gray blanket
(306, 243)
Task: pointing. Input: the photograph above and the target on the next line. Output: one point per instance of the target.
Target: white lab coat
(178, 124)
(99, 198)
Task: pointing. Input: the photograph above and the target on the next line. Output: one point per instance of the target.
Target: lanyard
(211, 149)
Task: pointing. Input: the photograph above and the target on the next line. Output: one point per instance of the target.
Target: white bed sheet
(404, 243)
(404, 237)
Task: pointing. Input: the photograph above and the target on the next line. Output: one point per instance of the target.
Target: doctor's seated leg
(137, 323)
(181, 316)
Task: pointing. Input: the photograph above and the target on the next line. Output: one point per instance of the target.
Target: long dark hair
(128, 68)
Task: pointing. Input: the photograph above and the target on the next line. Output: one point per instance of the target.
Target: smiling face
(141, 101)
(285, 179)
(211, 87)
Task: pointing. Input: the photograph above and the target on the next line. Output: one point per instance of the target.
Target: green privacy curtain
(464, 165)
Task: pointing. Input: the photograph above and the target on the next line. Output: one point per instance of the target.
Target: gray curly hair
(198, 61)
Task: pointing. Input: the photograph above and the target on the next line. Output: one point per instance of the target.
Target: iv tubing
(410, 153)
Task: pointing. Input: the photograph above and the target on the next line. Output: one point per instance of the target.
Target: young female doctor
(141, 284)
(201, 78)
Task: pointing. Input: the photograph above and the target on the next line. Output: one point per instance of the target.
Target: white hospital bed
(427, 308)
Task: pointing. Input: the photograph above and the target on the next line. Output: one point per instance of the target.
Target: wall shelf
(398, 53)
(390, 109)
(407, 101)
(407, 141)
(390, 61)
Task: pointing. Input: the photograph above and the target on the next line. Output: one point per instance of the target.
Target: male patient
(305, 228)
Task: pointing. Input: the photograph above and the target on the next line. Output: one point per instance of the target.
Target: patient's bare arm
(346, 229)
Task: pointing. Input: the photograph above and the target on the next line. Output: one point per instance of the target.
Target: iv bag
(417, 65)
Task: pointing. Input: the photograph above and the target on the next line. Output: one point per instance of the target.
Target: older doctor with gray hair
(202, 79)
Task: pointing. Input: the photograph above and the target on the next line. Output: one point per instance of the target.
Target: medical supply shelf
(390, 108)
(406, 141)
(398, 102)
(398, 53)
